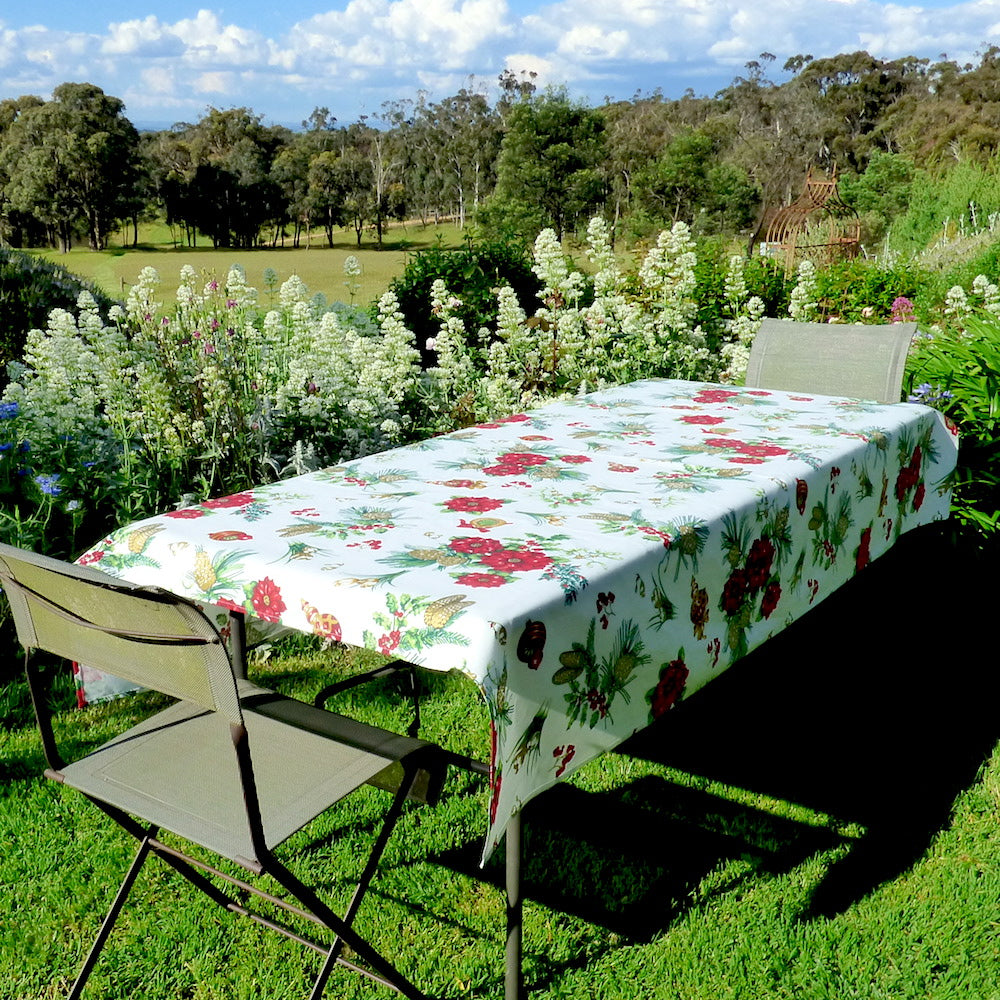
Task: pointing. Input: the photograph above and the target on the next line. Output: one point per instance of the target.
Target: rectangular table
(587, 564)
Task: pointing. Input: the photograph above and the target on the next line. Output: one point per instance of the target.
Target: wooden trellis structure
(817, 225)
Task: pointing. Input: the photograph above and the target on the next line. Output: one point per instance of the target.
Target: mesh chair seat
(177, 769)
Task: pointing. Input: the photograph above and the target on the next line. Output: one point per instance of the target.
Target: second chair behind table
(230, 766)
(832, 359)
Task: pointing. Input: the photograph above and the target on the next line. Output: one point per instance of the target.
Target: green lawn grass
(820, 822)
(320, 266)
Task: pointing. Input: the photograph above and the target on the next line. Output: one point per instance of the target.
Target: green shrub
(958, 370)
(30, 289)
(472, 274)
(858, 291)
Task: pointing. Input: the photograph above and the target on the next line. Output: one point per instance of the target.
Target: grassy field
(320, 266)
(820, 824)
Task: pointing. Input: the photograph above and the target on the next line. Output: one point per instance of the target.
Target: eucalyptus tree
(549, 168)
(228, 191)
(72, 163)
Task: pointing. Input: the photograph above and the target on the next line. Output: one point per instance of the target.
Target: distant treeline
(75, 169)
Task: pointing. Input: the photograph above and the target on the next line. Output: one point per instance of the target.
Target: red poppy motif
(516, 560)
(481, 580)
(236, 500)
(673, 680)
(703, 418)
(229, 536)
(522, 458)
(188, 512)
(472, 505)
(90, 558)
(267, 601)
(514, 418)
(574, 459)
(474, 546)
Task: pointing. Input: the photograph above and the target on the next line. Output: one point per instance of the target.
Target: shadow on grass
(877, 708)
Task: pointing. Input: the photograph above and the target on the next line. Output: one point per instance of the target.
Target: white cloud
(363, 52)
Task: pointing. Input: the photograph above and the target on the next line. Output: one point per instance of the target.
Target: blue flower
(49, 484)
(8, 410)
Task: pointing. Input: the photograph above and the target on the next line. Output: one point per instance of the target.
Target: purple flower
(49, 484)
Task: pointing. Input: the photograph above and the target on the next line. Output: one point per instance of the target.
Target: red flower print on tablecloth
(230, 605)
(733, 592)
(472, 505)
(229, 536)
(91, 557)
(618, 467)
(563, 756)
(267, 601)
(574, 459)
(474, 546)
(669, 689)
(703, 418)
(516, 560)
(759, 561)
(762, 450)
(863, 552)
(387, 643)
(236, 500)
(918, 496)
(772, 594)
(714, 395)
(188, 512)
(481, 580)
(909, 475)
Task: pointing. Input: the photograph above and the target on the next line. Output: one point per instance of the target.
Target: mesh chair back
(145, 635)
(835, 359)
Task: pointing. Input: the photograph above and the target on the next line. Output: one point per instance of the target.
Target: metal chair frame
(416, 768)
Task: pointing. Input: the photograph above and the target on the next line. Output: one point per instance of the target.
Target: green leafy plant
(958, 370)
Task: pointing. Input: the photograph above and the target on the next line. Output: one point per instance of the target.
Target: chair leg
(112, 916)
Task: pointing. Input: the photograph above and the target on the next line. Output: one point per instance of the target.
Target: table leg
(513, 975)
(238, 643)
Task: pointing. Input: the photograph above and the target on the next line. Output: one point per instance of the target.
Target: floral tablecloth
(587, 564)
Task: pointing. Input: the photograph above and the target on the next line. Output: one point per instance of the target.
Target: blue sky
(171, 61)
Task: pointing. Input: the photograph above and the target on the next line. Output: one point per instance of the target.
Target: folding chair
(229, 766)
(836, 359)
